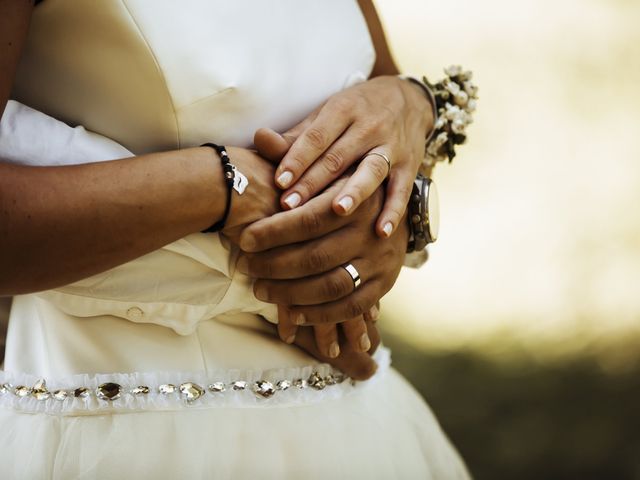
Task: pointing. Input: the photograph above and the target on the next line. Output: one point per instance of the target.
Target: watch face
(433, 211)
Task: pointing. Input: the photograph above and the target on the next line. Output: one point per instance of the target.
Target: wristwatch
(424, 220)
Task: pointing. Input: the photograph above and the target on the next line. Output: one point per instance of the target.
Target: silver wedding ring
(355, 276)
(384, 157)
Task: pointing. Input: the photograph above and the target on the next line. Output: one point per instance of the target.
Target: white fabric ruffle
(154, 400)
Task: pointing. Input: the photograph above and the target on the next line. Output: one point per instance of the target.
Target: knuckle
(307, 184)
(317, 260)
(403, 191)
(357, 191)
(334, 287)
(316, 137)
(259, 267)
(354, 307)
(334, 162)
(378, 167)
(397, 210)
(342, 106)
(297, 163)
(310, 222)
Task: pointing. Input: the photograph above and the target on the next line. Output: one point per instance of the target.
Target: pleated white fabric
(157, 75)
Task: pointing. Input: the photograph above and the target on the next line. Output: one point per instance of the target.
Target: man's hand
(260, 198)
(297, 257)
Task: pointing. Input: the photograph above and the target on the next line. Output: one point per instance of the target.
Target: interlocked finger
(286, 328)
(350, 306)
(355, 331)
(327, 340)
(314, 219)
(317, 289)
(346, 150)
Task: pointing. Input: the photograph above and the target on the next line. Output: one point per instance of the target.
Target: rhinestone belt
(190, 392)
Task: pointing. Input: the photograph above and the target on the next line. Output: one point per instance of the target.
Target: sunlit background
(523, 330)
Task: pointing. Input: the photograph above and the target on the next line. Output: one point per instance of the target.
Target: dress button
(134, 313)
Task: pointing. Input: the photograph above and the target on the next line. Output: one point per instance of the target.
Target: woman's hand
(387, 115)
(297, 257)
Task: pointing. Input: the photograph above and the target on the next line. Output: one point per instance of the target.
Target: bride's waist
(84, 394)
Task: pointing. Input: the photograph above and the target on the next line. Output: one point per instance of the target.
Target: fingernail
(261, 293)
(346, 203)
(290, 339)
(365, 343)
(299, 320)
(374, 313)
(293, 200)
(334, 350)
(387, 229)
(243, 265)
(285, 179)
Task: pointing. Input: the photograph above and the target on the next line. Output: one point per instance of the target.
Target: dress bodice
(158, 75)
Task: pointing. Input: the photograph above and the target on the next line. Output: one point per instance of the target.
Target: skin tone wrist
(111, 211)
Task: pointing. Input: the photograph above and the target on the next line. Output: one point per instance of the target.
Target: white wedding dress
(163, 367)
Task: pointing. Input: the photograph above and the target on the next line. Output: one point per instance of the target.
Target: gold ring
(384, 157)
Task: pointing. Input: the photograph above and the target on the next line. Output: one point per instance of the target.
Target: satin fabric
(151, 76)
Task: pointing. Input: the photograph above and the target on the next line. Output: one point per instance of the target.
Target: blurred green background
(523, 330)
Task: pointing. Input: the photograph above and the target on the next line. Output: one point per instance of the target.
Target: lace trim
(124, 392)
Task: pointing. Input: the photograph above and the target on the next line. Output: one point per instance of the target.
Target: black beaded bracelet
(229, 176)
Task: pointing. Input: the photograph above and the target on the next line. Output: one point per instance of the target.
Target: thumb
(270, 144)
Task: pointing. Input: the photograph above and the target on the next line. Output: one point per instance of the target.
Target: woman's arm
(385, 65)
(386, 115)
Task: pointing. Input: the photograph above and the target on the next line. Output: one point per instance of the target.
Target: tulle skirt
(383, 430)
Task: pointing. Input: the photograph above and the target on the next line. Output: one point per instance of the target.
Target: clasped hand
(297, 255)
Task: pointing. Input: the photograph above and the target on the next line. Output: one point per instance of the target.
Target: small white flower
(440, 123)
(453, 111)
(432, 149)
(468, 75)
(471, 106)
(471, 89)
(453, 70)
(458, 126)
(441, 139)
(451, 86)
(461, 98)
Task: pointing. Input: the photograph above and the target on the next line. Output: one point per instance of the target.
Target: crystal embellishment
(167, 388)
(283, 385)
(60, 394)
(191, 391)
(22, 391)
(316, 381)
(300, 383)
(187, 391)
(81, 392)
(140, 390)
(217, 387)
(239, 385)
(264, 389)
(39, 390)
(109, 391)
